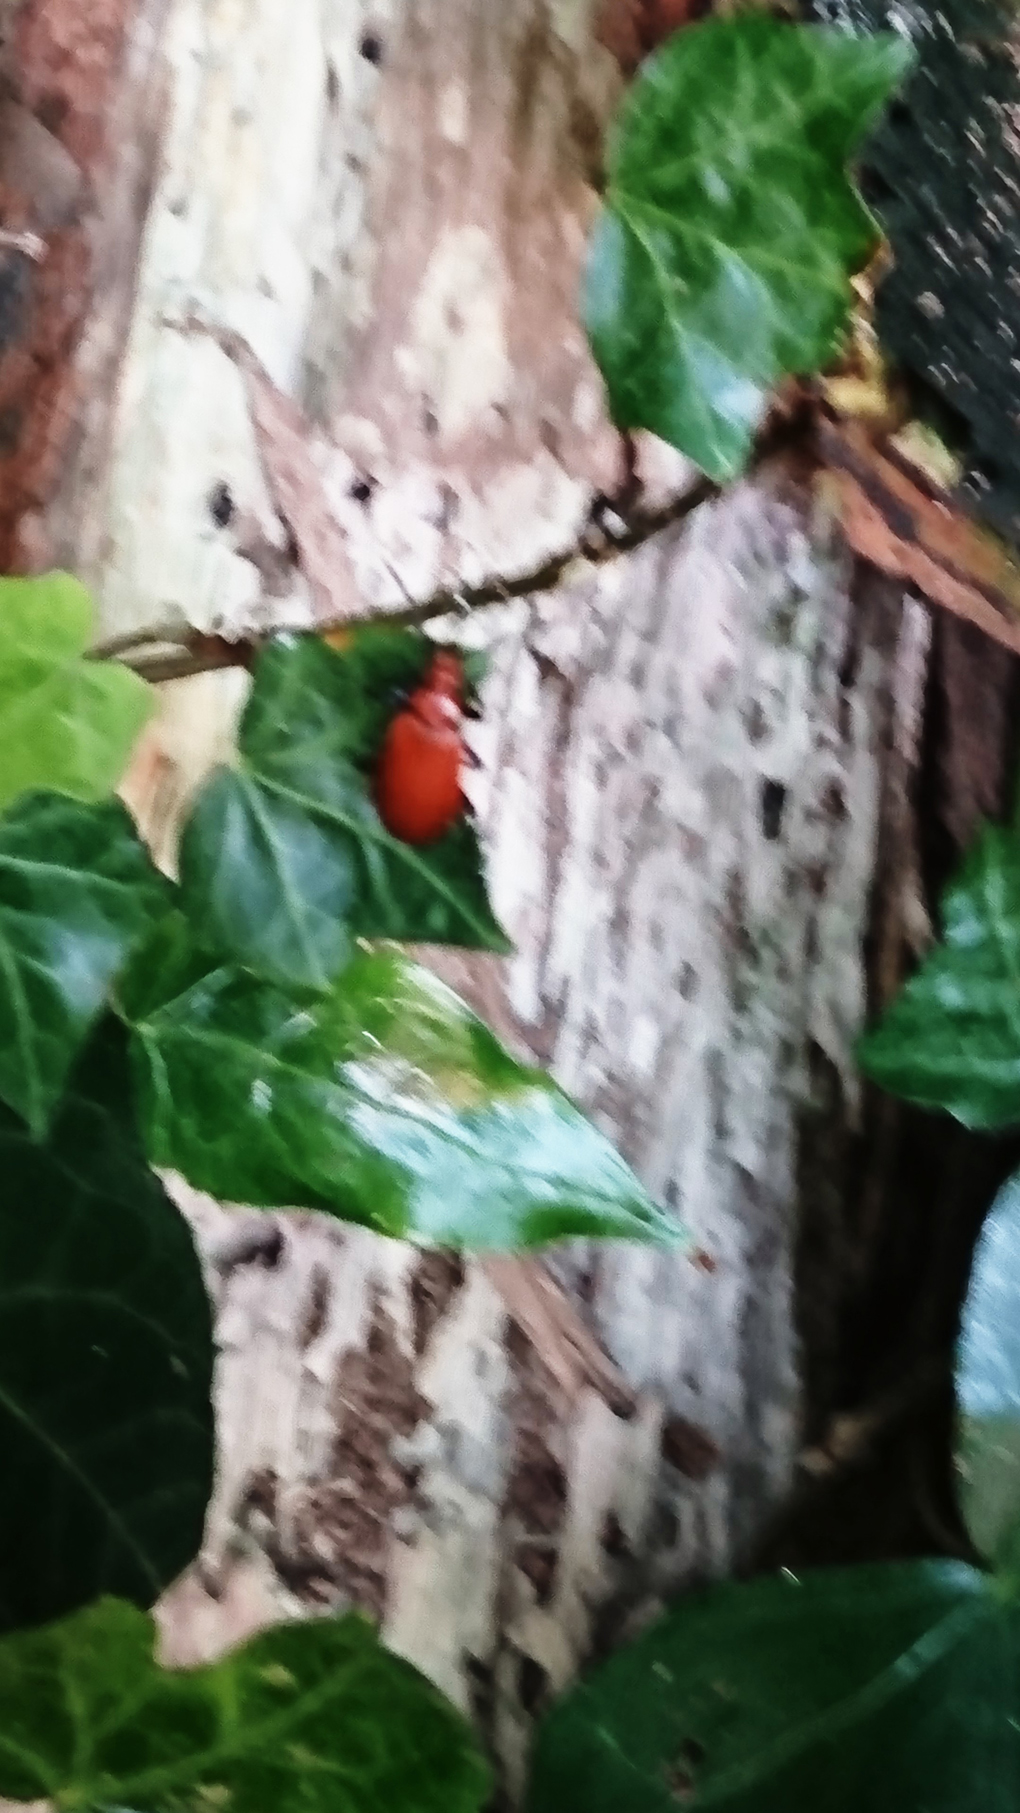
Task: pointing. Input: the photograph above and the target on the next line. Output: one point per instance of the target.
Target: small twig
(183, 666)
(158, 655)
(178, 634)
(593, 547)
(148, 654)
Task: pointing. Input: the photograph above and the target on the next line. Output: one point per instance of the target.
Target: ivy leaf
(988, 1390)
(385, 1102)
(165, 965)
(77, 892)
(105, 1358)
(284, 859)
(65, 722)
(307, 1718)
(885, 1688)
(720, 261)
(951, 1038)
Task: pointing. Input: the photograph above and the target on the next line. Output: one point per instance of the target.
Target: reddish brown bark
(61, 67)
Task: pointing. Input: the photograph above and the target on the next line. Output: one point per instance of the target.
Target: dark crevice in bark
(890, 1208)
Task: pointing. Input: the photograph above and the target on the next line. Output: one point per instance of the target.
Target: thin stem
(167, 654)
(114, 648)
(153, 654)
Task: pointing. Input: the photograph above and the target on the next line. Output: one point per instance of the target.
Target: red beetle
(418, 789)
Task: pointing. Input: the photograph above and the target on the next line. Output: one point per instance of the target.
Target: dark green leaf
(65, 722)
(721, 258)
(284, 860)
(867, 1690)
(952, 1037)
(105, 1359)
(307, 1718)
(386, 1102)
(266, 883)
(164, 966)
(343, 697)
(77, 892)
(988, 1389)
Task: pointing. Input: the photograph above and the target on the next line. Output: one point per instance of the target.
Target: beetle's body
(418, 788)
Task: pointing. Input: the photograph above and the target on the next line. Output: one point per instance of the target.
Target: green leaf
(952, 1037)
(720, 260)
(77, 892)
(164, 966)
(65, 722)
(306, 1718)
(284, 859)
(105, 1359)
(988, 1390)
(385, 1102)
(889, 1689)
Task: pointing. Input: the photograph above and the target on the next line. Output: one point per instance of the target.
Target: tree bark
(722, 780)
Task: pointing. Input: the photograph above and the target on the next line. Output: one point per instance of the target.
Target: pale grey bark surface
(681, 812)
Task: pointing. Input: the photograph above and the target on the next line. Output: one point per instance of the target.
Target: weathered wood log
(699, 793)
